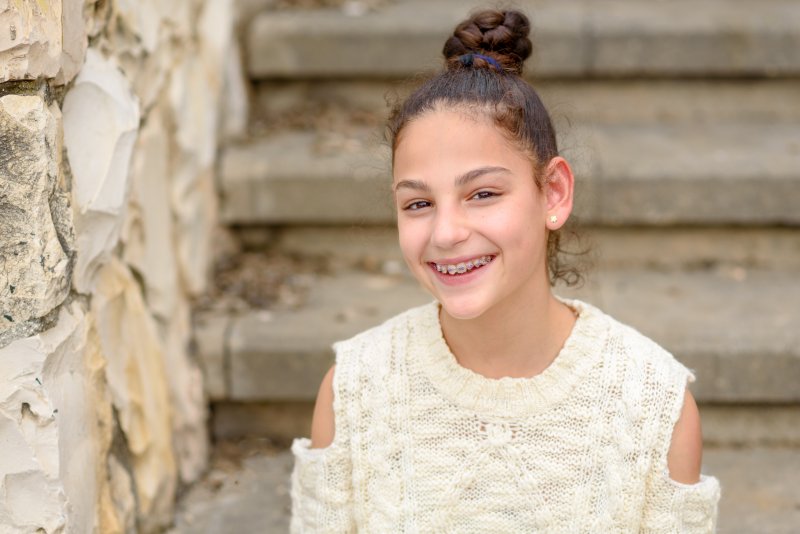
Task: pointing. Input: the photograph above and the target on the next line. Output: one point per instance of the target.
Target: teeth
(462, 268)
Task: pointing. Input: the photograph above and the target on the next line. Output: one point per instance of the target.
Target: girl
(499, 407)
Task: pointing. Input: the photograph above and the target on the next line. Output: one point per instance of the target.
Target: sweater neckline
(508, 396)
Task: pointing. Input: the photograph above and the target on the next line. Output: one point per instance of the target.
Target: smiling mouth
(458, 269)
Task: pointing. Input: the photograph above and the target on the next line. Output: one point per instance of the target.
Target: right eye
(417, 205)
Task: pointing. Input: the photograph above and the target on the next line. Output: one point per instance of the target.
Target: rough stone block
(53, 407)
(137, 381)
(148, 230)
(42, 40)
(188, 403)
(35, 238)
(101, 121)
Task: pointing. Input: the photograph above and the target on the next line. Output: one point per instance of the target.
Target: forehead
(446, 143)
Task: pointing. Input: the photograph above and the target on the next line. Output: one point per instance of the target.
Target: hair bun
(501, 35)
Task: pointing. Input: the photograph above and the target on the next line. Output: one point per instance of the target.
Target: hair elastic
(468, 59)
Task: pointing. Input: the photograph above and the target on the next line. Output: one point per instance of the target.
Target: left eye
(483, 194)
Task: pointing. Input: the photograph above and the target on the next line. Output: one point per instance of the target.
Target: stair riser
(733, 426)
(342, 200)
(569, 102)
(376, 249)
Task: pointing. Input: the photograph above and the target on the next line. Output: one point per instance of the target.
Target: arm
(686, 448)
(679, 499)
(323, 426)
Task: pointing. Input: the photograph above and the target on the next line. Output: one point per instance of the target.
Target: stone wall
(110, 113)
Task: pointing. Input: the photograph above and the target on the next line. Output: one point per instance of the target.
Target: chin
(462, 308)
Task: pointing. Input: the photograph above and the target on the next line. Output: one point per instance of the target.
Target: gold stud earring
(554, 219)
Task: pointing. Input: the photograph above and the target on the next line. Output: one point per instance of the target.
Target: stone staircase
(682, 122)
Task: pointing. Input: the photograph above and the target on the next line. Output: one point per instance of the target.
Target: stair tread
(627, 173)
(737, 329)
(759, 493)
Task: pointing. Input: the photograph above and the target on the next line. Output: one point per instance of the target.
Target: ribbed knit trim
(507, 396)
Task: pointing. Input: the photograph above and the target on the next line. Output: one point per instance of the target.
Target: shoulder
(362, 364)
(646, 356)
(378, 341)
(660, 382)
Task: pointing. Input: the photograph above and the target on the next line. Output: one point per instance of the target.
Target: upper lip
(460, 259)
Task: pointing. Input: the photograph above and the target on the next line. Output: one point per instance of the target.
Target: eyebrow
(460, 181)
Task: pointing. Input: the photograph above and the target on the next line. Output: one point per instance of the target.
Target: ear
(558, 191)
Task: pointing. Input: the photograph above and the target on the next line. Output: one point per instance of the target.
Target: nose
(450, 227)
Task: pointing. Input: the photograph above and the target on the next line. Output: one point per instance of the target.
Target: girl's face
(468, 205)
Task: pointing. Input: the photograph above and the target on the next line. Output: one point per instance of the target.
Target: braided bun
(500, 35)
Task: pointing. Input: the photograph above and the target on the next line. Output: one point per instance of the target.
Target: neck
(519, 337)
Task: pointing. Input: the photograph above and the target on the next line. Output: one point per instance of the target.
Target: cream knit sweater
(425, 445)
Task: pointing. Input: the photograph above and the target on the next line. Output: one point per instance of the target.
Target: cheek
(517, 227)
(412, 240)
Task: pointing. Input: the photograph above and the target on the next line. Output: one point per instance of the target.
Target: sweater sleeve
(672, 507)
(321, 487)
(675, 508)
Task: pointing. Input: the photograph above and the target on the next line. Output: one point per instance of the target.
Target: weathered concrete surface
(298, 357)
(759, 494)
(251, 498)
(759, 489)
(583, 38)
(35, 233)
(42, 39)
(626, 174)
(295, 177)
(737, 329)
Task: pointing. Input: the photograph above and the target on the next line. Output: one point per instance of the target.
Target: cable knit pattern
(423, 444)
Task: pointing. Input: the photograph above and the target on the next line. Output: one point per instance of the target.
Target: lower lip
(461, 279)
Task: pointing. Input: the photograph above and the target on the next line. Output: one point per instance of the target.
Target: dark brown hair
(494, 87)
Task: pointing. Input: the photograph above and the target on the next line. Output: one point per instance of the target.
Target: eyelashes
(421, 204)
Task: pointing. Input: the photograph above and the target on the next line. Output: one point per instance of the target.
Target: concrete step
(336, 103)
(759, 493)
(671, 174)
(581, 38)
(723, 425)
(740, 331)
(376, 249)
